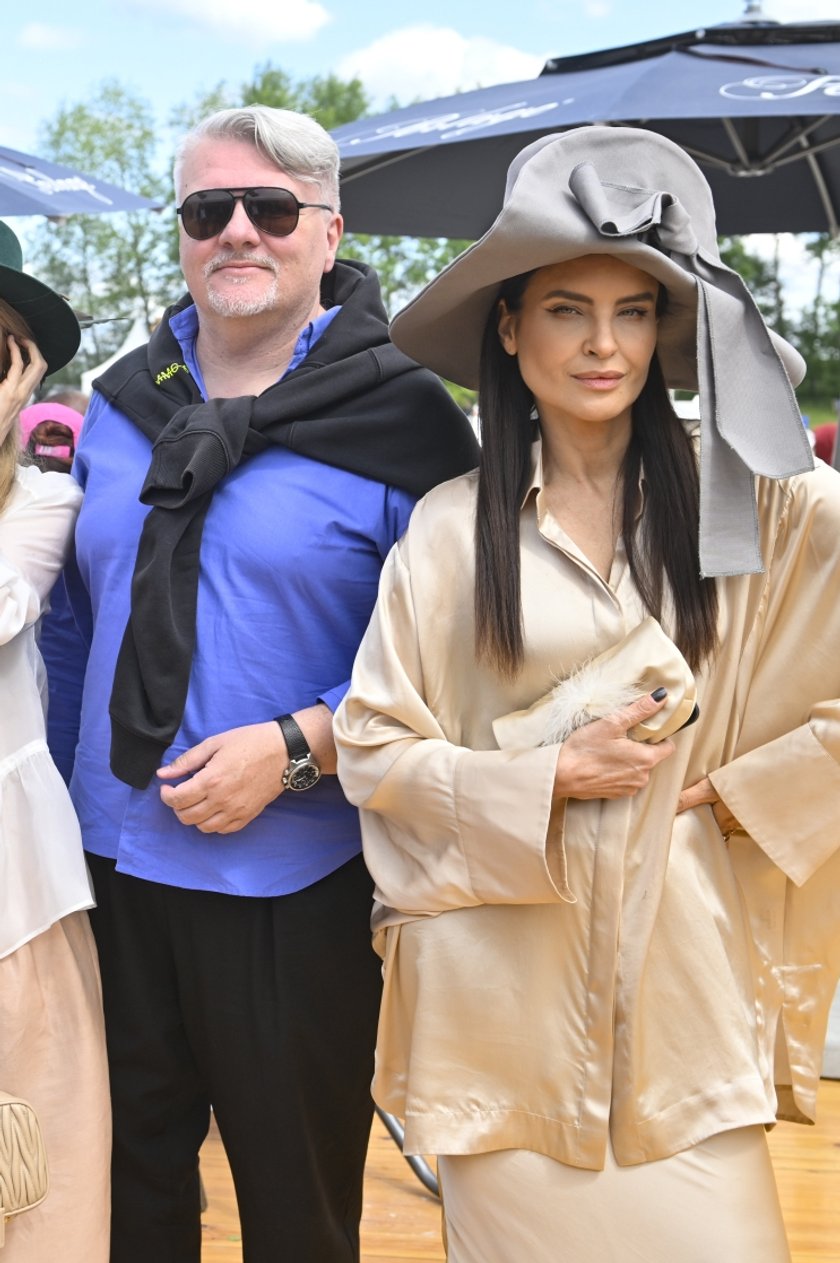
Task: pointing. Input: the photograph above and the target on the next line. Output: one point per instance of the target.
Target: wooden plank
(401, 1221)
(807, 1165)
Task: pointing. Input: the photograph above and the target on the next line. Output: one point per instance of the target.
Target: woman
(52, 1049)
(609, 949)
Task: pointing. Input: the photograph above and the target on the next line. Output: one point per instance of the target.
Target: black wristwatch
(303, 772)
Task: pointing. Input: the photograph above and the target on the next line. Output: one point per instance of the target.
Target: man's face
(243, 272)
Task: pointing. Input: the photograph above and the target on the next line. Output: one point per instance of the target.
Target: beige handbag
(643, 661)
(23, 1160)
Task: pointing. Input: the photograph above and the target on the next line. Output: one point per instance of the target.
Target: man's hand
(705, 792)
(232, 777)
(601, 761)
(20, 380)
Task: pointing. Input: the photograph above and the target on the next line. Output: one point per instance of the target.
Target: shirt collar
(184, 326)
(536, 483)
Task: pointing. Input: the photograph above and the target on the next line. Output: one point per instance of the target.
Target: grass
(817, 412)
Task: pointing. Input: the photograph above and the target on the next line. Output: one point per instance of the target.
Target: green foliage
(404, 264)
(331, 101)
(466, 399)
(816, 332)
(107, 265)
(818, 413)
(187, 115)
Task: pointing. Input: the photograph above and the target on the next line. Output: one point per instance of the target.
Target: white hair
(294, 142)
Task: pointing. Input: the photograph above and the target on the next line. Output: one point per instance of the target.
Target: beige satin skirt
(715, 1203)
(52, 1052)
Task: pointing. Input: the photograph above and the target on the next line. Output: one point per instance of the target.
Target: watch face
(304, 777)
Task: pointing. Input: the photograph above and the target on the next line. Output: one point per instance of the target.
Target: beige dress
(713, 1203)
(689, 976)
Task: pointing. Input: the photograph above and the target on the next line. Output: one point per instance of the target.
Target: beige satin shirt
(689, 973)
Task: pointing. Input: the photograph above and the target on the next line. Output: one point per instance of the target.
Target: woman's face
(584, 336)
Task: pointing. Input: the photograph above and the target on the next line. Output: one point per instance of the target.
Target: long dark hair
(661, 544)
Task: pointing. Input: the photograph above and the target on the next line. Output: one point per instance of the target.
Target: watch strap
(296, 743)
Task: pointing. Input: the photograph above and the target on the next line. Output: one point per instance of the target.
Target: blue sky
(168, 50)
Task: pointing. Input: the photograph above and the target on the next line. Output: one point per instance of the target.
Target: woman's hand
(20, 381)
(601, 761)
(705, 792)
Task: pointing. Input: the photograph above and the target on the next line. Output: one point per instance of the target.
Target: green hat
(50, 317)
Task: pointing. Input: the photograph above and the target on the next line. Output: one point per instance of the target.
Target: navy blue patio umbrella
(757, 104)
(33, 186)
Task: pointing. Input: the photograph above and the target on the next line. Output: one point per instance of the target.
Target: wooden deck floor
(402, 1221)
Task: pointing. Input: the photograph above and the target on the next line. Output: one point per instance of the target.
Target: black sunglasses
(275, 211)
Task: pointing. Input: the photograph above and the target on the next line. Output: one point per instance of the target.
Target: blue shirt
(290, 560)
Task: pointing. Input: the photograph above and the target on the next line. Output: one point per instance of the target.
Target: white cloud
(40, 37)
(598, 9)
(423, 62)
(251, 21)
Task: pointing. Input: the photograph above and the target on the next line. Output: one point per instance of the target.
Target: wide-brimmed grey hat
(637, 196)
(54, 325)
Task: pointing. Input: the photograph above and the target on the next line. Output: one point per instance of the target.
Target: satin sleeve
(785, 792)
(444, 826)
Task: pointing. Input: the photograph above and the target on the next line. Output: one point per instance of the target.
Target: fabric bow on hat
(748, 424)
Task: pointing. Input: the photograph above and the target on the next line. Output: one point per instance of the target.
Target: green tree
(187, 115)
(817, 335)
(404, 264)
(108, 265)
(330, 100)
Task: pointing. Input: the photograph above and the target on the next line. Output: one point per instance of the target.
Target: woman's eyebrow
(645, 296)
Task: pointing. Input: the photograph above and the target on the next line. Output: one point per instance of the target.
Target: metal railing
(419, 1166)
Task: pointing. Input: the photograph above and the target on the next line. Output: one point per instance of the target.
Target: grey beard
(229, 304)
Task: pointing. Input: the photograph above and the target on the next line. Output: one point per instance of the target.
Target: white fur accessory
(645, 660)
(592, 692)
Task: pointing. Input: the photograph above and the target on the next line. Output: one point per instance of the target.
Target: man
(281, 442)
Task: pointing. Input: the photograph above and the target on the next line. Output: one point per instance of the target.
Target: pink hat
(38, 412)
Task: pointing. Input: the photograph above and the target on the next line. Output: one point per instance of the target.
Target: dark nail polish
(658, 694)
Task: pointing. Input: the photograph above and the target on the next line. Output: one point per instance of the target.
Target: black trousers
(265, 1008)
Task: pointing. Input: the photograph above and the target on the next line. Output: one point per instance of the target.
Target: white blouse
(43, 875)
